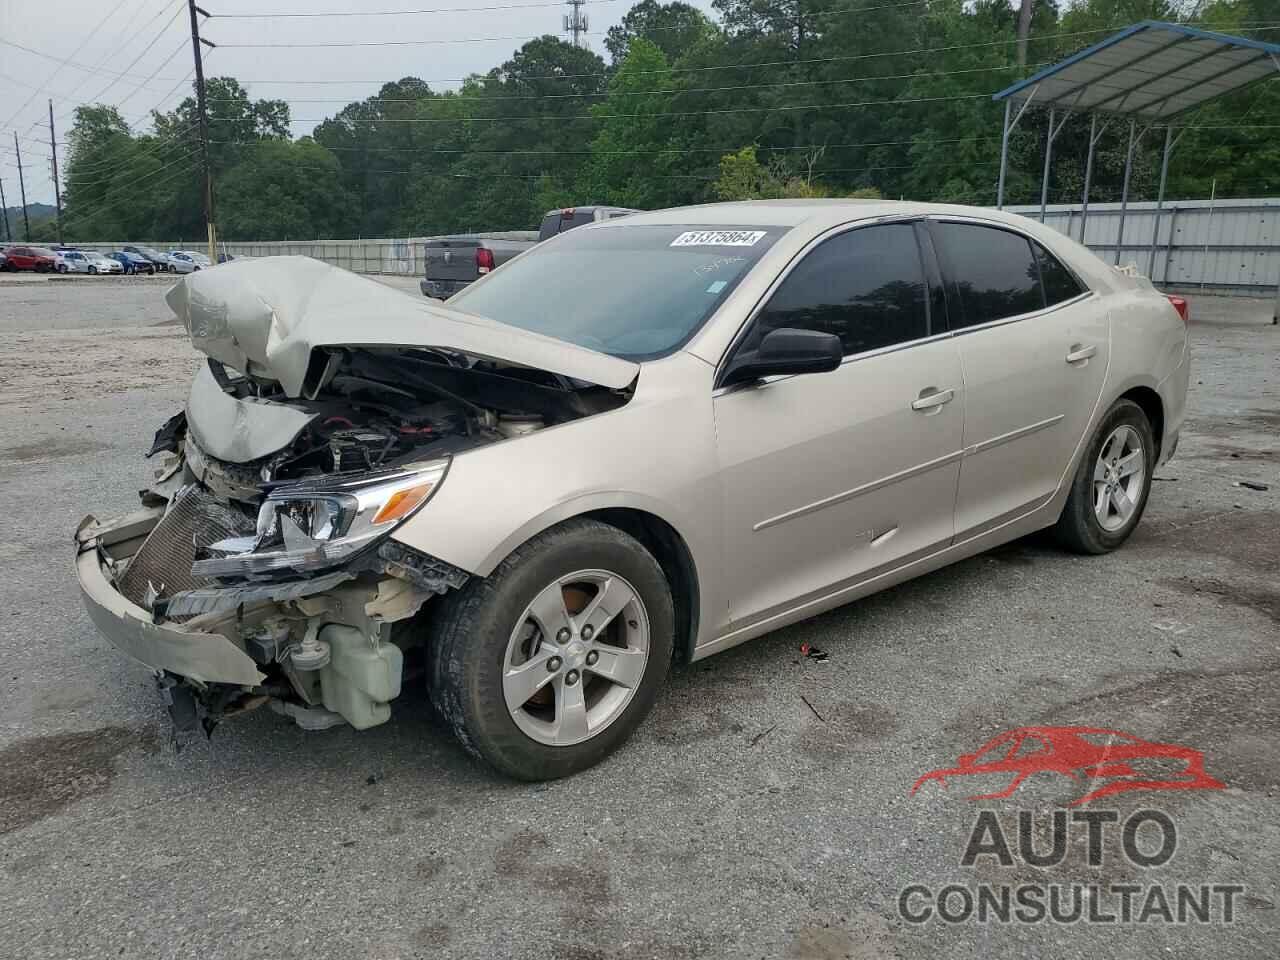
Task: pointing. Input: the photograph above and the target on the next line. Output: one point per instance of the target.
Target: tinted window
(865, 286)
(1059, 282)
(993, 272)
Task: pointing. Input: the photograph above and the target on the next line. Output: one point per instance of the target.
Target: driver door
(830, 478)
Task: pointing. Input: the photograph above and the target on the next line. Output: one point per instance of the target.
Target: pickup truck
(451, 263)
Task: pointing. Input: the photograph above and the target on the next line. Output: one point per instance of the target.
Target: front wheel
(548, 665)
(1112, 483)
(93, 269)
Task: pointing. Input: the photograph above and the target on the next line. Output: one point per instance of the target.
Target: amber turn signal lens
(403, 502)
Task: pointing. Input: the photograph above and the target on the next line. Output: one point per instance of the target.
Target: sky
(149, 42)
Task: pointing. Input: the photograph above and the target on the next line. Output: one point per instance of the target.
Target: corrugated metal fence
(1228, 246)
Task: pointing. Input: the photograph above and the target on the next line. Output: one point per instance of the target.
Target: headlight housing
(315, 524)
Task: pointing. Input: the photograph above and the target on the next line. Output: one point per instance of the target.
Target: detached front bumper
(171, 647)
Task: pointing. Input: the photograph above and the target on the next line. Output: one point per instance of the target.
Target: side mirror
(787, 351)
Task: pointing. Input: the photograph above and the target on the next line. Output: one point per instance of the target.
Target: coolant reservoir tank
(518, 424)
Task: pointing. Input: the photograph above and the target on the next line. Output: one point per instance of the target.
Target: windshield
(148, 252)
(634, 291)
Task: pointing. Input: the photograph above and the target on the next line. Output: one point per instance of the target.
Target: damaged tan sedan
(647, 439)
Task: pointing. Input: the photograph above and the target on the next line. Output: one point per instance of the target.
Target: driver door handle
(931, 398)
(1080, 352)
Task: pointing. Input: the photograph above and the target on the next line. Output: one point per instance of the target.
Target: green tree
(284, 191)
(631, 154)
(672, 27)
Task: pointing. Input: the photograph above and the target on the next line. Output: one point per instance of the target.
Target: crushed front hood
(266, 316)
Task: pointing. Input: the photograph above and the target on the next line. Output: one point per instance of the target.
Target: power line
(669, 113)
(673, 91)
(624, 153)
(58, 69)
(606, 74)
(73, 65)
(283, 15)
(433, 42)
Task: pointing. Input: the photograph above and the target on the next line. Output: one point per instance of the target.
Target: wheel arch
(662, 540)
(646, 522)
(1153, 406)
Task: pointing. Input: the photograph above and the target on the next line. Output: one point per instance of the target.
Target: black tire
(62, 268)
(1078, 528)
(93, 270)
(468, 639)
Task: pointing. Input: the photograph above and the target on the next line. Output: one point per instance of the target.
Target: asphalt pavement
(763, 810)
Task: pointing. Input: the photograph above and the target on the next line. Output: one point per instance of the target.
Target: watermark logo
(1104, 762)
(1146, 839)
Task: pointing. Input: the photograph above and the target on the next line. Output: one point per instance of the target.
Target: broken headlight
(308, 526)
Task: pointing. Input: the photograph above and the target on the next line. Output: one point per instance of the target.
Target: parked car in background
(157, 259)
(132, 262)
(181, 262)
(555, 222)
(67, 260)
(451, 263)
(654, 437)
(200, 260)
(37, 259)
(4, 259)
(101, 263)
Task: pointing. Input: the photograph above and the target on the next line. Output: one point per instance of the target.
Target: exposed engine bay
(264, 541)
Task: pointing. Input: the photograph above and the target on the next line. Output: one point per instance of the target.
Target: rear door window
(993, 272)
(865, 286)
(1060, 284)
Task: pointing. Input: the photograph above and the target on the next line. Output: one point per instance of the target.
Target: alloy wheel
(576, 657)
(1118, 478)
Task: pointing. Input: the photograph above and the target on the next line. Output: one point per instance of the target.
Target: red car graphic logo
(1086, 754)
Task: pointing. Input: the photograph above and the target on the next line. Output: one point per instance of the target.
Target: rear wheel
(93, 269)
(1112, 483)
(548, 665)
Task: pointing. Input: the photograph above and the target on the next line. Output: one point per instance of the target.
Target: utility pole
(196, 40)
(5, 207)
(575, 21)
(57, 193)
(22, 188)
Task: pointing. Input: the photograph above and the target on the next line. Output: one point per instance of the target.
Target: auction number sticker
(719, 238)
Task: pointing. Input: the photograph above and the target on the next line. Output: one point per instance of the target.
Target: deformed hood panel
(266, 316)
(239, 430)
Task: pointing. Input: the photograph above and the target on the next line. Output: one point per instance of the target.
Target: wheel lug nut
(562, 636)
(592, 657)
(554, 664)
(588, 632)
(571, 677)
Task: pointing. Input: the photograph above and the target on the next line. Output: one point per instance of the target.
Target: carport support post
(1004, 154)
(1164, 176)
(1124, 192)
(1048, 159)
(5, 208)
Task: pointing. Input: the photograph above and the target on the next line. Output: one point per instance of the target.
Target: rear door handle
(931, 398)
(1079, 352)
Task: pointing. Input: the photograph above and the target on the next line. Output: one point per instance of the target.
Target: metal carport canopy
(1151, 71)
(1150, 74)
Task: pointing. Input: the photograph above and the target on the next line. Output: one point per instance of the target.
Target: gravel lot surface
(762, 811)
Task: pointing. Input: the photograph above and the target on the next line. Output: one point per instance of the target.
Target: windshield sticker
(717, 286)
(718, 238)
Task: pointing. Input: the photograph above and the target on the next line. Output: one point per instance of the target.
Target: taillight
(1180, 304)
(484, 260)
